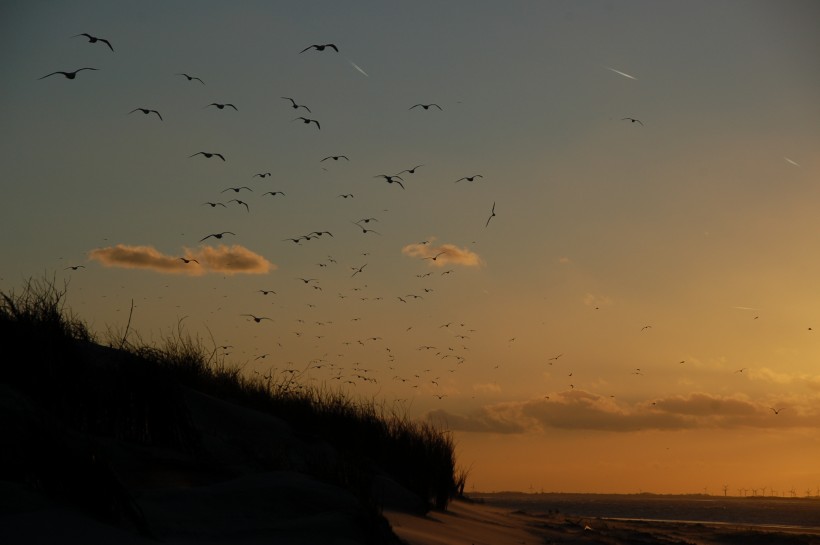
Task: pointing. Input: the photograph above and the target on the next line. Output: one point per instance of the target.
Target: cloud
(582, 410)
(206, 259)
(488, 388)
(592, 300)
(443, 254)
(769, 375)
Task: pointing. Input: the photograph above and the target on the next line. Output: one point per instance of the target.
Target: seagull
(492, 215)
(74, 267)
(217, 235)
(391, 179)
(190, 77)
(69, 75)
(274, 193)
(469, 178)
(776, 411)
(208, 155)
(308, 280)
(633, 120)
(435, 256)
(321, 47)
(241, 202)
(411, 170)
(646, 327)
(214, 204)
(222, 106)
(236, 189)
(296, 106)
(306, 121)
(425, 106)
(741, 369)
(94, 39)
(345, 195)
(257, 319)
(261, 175)
(188, 260)
(335, 158)
(146, 111)
(365, 220)
(357, 270)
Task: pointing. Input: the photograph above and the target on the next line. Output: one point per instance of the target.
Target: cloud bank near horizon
(204, 260)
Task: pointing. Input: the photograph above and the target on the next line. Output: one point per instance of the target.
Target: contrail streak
(624, 74)
(357, 67)
(791, 162)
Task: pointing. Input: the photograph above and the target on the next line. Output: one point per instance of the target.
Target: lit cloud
(206, 259)
(769, 375)
(443, 254)
(582, 410)
(489, 388)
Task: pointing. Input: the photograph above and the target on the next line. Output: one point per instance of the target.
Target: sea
(750, 511)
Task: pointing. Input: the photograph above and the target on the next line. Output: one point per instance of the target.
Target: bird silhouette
(335, 158)
(222, 106)
(214, 204)
(411, 170)
(190, 78)
(146, 111)
(391, 179)
(69, 75)
(320, 47)
(295, 105)
(274, 193)
(74, 267)
(633, 120)
(242, 203)
(208, 155)
(345, 195)
(94, 39)
(306, 121)
(776, 411)
(492, 215)
(435, 256)
(469, 178)
(236, 189)
(186, 261)
(257, 319)
(357, 270)
(261, 175)
(308, 280)
(265, 292)
(217, 235)
(425, 106)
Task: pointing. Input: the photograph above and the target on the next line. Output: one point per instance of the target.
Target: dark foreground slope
(136, 443)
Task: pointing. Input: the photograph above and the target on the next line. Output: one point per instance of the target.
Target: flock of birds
(448, 352)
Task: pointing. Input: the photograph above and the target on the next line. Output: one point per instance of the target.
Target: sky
(587, 302)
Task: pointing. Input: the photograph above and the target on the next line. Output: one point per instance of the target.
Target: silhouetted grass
(133, 394)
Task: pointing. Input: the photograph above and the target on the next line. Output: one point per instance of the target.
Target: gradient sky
(598, 325)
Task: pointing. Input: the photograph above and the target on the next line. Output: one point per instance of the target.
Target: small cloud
(443, 254)
(592, 300)
(225, 260)
(489, 388)
(563, 260)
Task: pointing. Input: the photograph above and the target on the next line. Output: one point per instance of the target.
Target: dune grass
(137, 397)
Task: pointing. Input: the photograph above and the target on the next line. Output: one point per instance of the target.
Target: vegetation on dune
(132, 392)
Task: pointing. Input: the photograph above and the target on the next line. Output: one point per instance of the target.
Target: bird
(261, 175)
(365, 220)
(335, 158)
(741, 370)
(320, 47)
(308, 280)
(469, 178)
(357, 270)
(646, 327)
(236, 189)
(435, 256)
(320, 233)
(190, 77)
(186, 261)
(242, 203)
(411, 170)
(364, 230)
(345, 195)
(306, 121)
(391, 179)
(208, 155)
(633, 120)
(69, 75)
(257, 319)
(776, 411)
(94, 39)
(296, 106)
(217, 235)
(425, 106)
(222, 106)
(74, 267)
(492, 215)
(146, 111)
(214, 204)
(274, 193)
(265, 292)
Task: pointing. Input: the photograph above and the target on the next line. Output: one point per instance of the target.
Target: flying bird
(425, 106)
(436, 256)
(191, 77)
(94, 39)
(69, 75)
(236, 189)
(186, 261)
(208, 155)
(411, 170)
(242, 203)
(345, 195)
(146, 111)
(257, 319)
(632, 120)
(214, 204)
(391, 179)
(217, 235)
(222, 106)
(274, 193)
(335, 158)
(320, 47)
(469, 178)
(265, 292)
(306, 121)
(357, 270)
(492, 215)
(74, 267)
(261, 175)
(296, 106)
(776, 411)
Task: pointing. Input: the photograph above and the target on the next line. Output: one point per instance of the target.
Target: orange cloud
(443, 254)
(223, 259)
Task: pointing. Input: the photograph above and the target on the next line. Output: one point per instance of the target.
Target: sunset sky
(643, 299)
